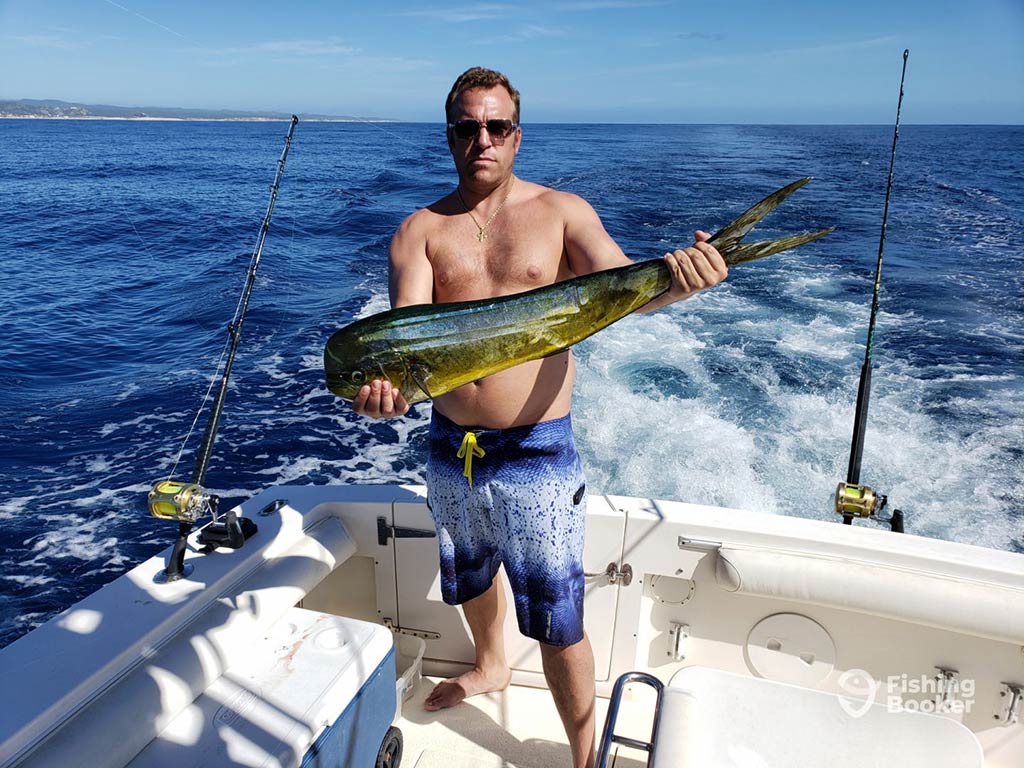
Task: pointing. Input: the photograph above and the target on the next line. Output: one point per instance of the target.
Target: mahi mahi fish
(426, 350)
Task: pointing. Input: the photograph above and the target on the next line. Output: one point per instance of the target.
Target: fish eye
(357, 377)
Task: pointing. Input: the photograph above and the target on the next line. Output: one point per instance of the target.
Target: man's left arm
(589, 248)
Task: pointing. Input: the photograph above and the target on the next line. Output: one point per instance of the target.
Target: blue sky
(574, 60)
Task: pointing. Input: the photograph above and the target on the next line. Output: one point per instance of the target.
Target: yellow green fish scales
(427, 350)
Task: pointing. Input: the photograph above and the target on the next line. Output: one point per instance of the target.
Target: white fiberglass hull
(791, 601)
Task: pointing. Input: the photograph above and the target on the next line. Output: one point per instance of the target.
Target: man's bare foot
(448, 693)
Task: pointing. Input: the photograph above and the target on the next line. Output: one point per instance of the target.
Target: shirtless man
(504, 482)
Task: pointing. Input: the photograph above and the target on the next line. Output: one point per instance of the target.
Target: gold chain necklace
(482, 234)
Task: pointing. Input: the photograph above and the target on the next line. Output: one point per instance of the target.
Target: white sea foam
(643, 443)
(29, 580)
(69, 536)
(31, 620)
(98, 464)
(378, 303)
(127, 392)
(787, 454)
(818, 339)
(273, 367)
(11, 508)
(142, 422)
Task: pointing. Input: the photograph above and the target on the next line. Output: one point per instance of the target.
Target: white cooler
(319, 691)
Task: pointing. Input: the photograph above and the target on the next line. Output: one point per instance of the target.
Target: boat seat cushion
(721, 719)
(982, 608)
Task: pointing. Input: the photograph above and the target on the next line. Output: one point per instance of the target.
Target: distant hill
(48, 108)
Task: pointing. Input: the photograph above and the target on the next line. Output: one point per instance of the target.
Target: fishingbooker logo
(944, 693)
(861, 684)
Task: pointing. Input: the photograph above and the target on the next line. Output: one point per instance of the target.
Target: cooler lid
(269, 709)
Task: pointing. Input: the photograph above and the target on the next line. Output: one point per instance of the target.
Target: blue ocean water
(125, 246)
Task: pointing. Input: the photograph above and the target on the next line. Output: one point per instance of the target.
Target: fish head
(350, 362)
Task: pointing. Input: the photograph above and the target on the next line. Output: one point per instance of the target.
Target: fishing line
(199, 411)
(852, 498)
(377, 125)
(149, 252)
(881, 239)
(213, 378)
(187, 502)
(154, 23)
(296, 228)
(131, 223)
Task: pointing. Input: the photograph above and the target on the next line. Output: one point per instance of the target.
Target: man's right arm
(410, 276)
(590, 248)
(410, 281)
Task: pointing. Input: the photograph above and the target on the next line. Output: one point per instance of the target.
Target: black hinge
(385, 532)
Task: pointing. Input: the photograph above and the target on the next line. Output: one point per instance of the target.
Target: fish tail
(728, 239)
(749, 251)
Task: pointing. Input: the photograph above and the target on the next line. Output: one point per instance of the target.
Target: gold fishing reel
(183, 502)
(855, 500)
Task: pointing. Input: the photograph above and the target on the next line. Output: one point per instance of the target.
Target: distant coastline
(147, 118)
(53, 109)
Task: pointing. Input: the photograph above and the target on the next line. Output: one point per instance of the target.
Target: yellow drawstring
(468, 450)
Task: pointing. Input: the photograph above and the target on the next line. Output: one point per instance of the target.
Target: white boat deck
(515, 728)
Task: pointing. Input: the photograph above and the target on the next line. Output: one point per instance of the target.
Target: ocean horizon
(286, 119)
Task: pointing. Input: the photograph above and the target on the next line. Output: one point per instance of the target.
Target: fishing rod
(187, 502)
(852, 498)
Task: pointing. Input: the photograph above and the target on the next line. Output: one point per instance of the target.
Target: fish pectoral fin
(419, 375)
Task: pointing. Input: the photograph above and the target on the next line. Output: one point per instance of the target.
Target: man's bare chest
(515, 255)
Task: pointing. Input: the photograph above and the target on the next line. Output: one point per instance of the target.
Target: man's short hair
(479, 77)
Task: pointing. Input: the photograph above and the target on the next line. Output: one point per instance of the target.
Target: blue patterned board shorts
(523, 504)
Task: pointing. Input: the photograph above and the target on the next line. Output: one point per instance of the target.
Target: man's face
(483, 159)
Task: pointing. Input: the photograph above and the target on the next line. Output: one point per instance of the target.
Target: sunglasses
(497, 129)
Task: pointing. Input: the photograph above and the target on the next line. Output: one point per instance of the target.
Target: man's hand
(695, 268)
(379, 400)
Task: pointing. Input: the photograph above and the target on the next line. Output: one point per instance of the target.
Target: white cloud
(604, 5)
(712, 36)
(462, 14)
(327, 47)
(523, 34)
(46, 41)
(283, 49)
(752, 56)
